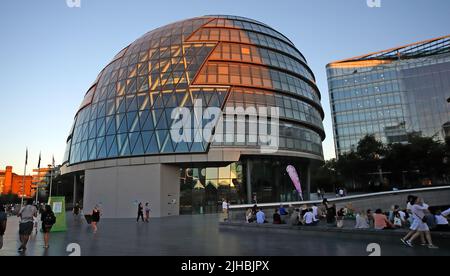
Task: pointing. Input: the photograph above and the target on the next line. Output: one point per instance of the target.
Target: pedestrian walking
(26, 215)
(147, 212)
(76, 210)
(225, 207)
(419, 226)
(95, 219)
(3, 222)
(48, 219)
(140, 213)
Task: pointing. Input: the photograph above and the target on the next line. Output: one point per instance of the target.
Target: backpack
(49, 219)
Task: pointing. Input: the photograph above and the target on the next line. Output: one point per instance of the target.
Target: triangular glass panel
(159, 102)
(180, 98)
(101, 127)
(146, 121)
(131, 103)
(132, 122)
(110, 105)
(110, 125)
(111, 91)
(101, 148)
(143, 101)
(121, 123)
(161, 136)
(124, 145)
(133, 138)
(157, 114)
(208, 96)
(92, 146)
(83, 146)
(92, 129)
(143, 84)
(131, 86)
(146, 138)
(101, 109)
(152, 147)
(188, 103)
(167, 146)
(143, 69)
(162, 123)
(169, 119)
(181, 147)
(120, 104)
(166, 98)
(166, 52)
(138, 148)
(214, 102)
(221, 95)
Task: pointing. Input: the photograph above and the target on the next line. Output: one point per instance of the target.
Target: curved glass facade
(225, 61)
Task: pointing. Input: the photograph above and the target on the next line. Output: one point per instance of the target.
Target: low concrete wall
(435, 196)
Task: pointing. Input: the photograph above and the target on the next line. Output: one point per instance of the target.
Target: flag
(26, 158)
(295, 179)
(39, 163)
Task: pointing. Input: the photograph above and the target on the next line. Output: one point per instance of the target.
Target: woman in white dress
(419, 226)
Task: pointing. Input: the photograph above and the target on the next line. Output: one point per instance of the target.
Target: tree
(9, 199)
(369, 148)
(419, 161)
(325, 176)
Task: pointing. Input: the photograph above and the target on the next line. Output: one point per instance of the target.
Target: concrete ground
(200, 236)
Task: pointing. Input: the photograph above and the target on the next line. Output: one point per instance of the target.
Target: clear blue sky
(50, 54)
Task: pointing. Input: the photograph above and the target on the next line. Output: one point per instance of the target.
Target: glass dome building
(122, 146)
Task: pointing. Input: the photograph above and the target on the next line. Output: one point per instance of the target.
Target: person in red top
(381, 221)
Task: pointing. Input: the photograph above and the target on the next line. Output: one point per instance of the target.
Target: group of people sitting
(300, 216)
(396, 218)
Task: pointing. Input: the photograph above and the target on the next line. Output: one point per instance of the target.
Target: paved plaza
(200, 236)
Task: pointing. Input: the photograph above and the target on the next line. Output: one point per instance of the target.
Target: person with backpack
(48, 219)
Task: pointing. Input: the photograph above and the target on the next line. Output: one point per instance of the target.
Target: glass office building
(121, 140)
(391, 94)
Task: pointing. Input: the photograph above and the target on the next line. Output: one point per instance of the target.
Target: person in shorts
(26, 215)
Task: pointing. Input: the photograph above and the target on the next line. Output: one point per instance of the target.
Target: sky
(50, 54)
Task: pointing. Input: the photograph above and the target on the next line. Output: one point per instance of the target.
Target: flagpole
(24, 174)
(51, 180)
(39, 175)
